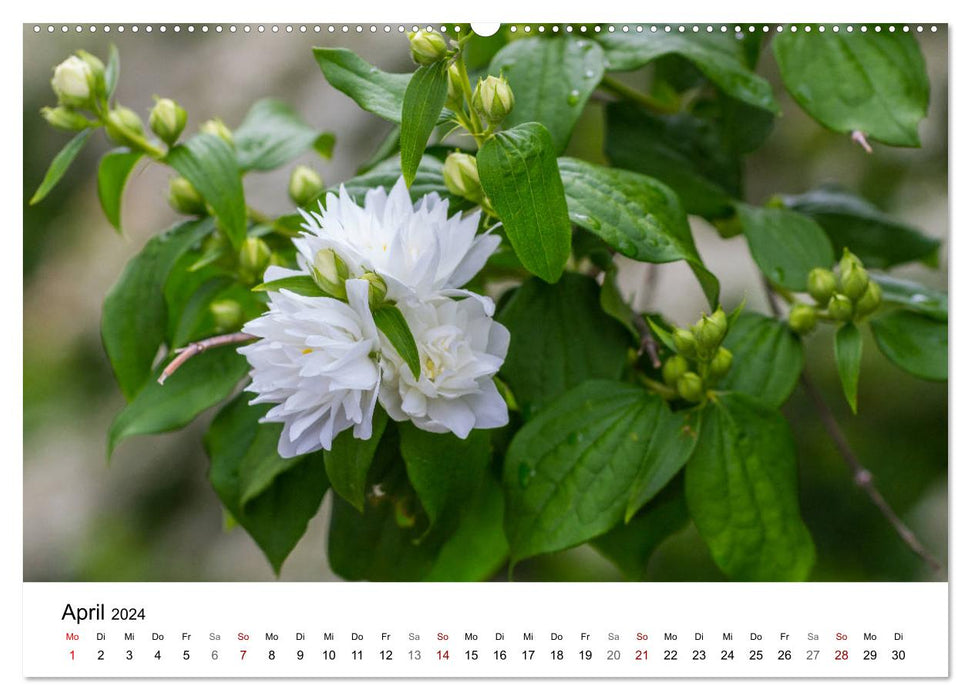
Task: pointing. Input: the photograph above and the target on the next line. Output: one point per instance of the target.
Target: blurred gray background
(151, 514)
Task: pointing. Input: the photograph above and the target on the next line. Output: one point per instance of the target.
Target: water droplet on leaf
(526, 473)
(573, 97)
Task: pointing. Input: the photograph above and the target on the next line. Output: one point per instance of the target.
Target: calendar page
(468, 350)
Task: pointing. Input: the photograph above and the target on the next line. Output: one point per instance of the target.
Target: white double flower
(324, 363)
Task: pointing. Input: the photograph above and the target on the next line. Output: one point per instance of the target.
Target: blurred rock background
(152, 515)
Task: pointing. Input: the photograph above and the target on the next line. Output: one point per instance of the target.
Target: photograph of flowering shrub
(558, 303)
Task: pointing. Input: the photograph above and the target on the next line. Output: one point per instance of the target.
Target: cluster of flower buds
(700, 360)
(848, 295)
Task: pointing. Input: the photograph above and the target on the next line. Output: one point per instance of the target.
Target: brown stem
(862, 476)
(194, 348)
(860, 138)
(648, 344)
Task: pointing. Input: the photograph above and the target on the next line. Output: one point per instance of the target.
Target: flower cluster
(323, 361)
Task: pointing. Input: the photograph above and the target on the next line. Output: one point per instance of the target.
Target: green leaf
(630, 545)
(196, 320)
(914, 343)
(614, 304)
(569, 470)
(374, 90)
(882, 88)
(849, 353)
(349, 461)
(768, 359)
(741, 489)
(303, 285)
(276, 518)
(785, 244)
(62, 161)
(324, 144)
(200, 383)
(560, 336)
(913, 296)
(637, 215)
(552, 80)
(518, 171)
(112, 70)
(684, 152)
(272, 134)
(113, 172)
(392, 324)
(719, 57)
(209, 163)
(670, 445)
(134, 317)
(852, 222)
(423, 102)
(444, 470)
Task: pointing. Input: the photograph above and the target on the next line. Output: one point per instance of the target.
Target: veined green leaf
(62, 161)
(518, 171)
(768, 359)
(134, 319)
(112, 70)
(637, 215)
(200, 383)
(209, 163)
(785, 244)
(849, 353)
(569, 471)
(113, 172)
(882, 89)
(349, 461)
(374, 90)
(913, 342)
(852, 222)
(393, 325)
(552, 80)
(240, 448)
(560, 336)
(272, 134)
(913, 296)
(741, 489)
(423, 102)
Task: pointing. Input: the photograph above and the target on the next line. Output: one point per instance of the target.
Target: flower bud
(685, 343)
(493, 99)
(802, 318)
(721, 363)
(690, 387)
(870, 300)
(254, 256)
(123, 127)
(305, 183)
(673, 368)
(710, 331)
(840, 308)
(462, 176)
(167, 120)
(217, 128)
(854, 281)
(427, 47)
(227, 313)
(96, 78)
(848, 261)
(184, 198)
(456, 91)
(71, 82)
(62, 117)
(821, 284)
(378, 289)
(330, 273)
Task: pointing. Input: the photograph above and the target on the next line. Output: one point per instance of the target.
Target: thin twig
(648, 344)
(862, 476)
(194, 348)
(860, 138)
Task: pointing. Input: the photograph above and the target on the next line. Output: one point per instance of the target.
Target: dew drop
(589, 73)
(573, 97)
(919, 299)
(526, 473)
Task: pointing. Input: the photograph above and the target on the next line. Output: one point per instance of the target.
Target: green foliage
(785, 245)
(849, 354)
(374, 90)
(303, 285)
(271, 498)
(740, 486)
(852, 222)
(62, 161)
(913, 296)
(349, 460)
(770, 358)
(882, 87)
(552, 80)
(423, 102)
(519, 174)
(209, 163)
(393, 325)
(560, 338)
(915, 343)
(113, 172)
(272, 134)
